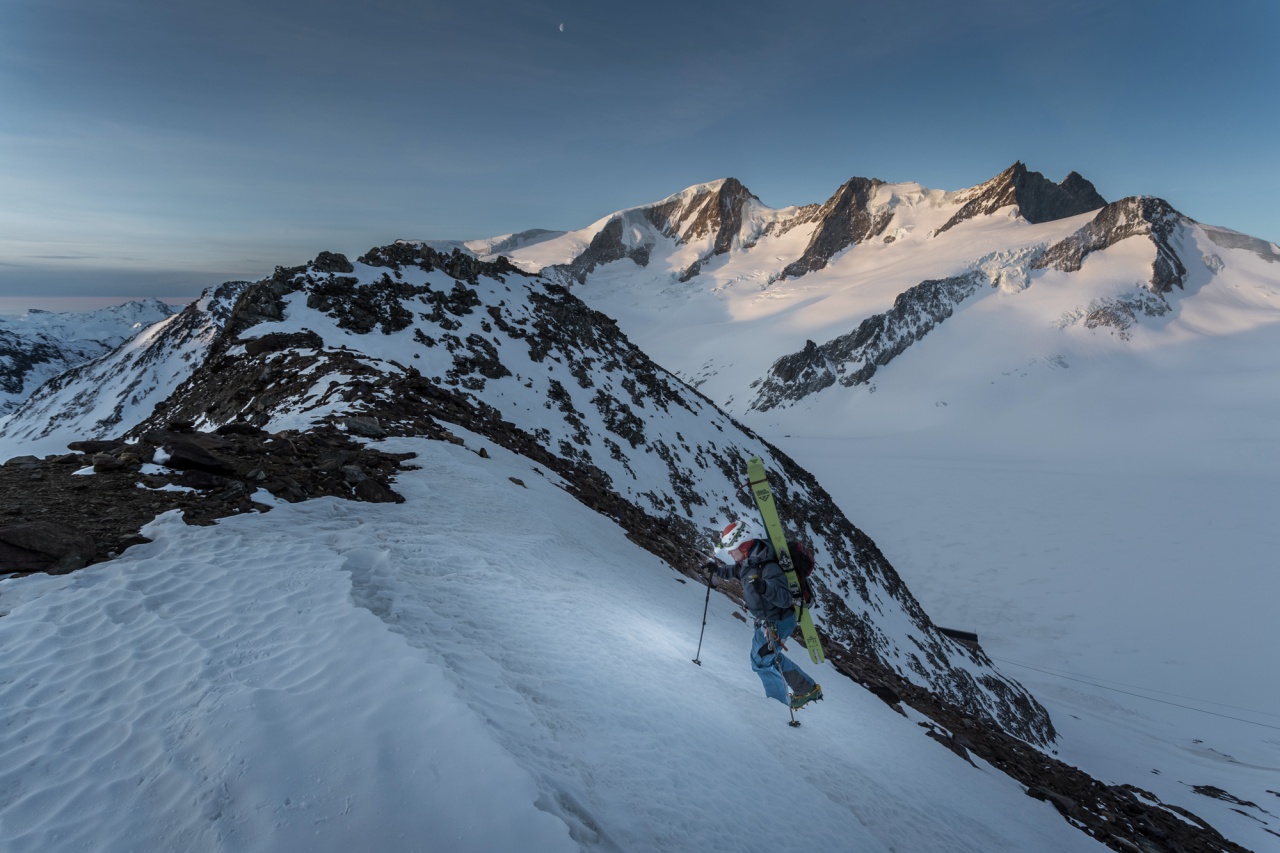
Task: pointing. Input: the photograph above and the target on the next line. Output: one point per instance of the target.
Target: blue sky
(152, 148)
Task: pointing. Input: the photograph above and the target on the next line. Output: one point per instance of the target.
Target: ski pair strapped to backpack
(758, 481)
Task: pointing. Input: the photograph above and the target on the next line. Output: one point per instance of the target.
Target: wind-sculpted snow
(501, 670)
(417, 340)
(853, 359)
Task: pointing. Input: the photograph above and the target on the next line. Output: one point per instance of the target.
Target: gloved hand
(757, 583)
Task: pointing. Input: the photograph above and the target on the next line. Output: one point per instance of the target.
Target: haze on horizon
(151, 148)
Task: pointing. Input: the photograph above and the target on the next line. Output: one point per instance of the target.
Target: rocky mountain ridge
(709, 221)
(423, 342)
(855, 357)
(1037, 198)
(845, 219)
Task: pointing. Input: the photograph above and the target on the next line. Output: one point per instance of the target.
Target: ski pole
(705, 605)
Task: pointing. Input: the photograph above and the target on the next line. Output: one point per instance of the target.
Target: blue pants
(774, 668)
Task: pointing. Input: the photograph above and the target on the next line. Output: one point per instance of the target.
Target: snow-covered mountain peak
(706, 226)
(716, 210)
(1037, 198)
(39, 345)
(103, 395)
(854, 214)
(1160, 240)
(491, 247)
(688, 229)
(116, 322)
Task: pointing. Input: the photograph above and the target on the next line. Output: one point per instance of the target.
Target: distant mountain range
(762, 308)
(39, 345)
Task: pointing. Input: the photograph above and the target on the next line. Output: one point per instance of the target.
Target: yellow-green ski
(759, 483)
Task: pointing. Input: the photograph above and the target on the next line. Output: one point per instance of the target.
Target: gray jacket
(764, 586)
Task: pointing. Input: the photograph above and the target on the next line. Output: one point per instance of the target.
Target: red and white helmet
(734, 535)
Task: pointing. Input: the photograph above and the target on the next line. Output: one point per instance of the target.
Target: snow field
(485, 667)
(215, 692)
(1118, 566)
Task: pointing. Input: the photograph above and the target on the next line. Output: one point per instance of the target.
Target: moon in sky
(562, 28)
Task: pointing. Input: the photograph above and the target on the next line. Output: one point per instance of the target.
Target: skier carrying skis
(768, 597)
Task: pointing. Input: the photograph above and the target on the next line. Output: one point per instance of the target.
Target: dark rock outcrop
(854, 358)
(42, 546)
(185, 454)
(605, 248)
(1038, 199)
(66, 520)
(844, 220)
(327, 262)
(715, 212)
(280, 341)
(1136, 216)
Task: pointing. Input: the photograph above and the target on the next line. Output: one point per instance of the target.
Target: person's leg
(764, 662)
(796, 678)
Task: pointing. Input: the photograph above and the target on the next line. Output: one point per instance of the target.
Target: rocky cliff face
(710, 213)
(714, 211)
(1038, 199)
(606, 247)
(1137, 216)
(852, 359)
(409, 341)
(845, 219)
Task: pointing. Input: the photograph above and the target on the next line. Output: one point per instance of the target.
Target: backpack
(802, 561)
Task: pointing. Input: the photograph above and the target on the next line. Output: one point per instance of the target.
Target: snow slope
(1090, 487)
(102, 397)
(488, 666)
(37, 345)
